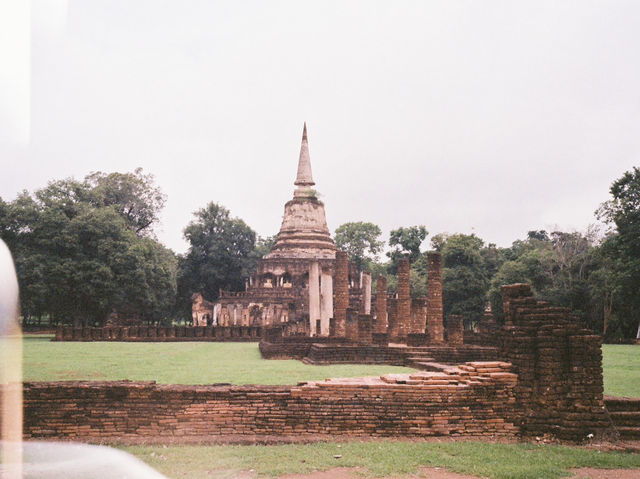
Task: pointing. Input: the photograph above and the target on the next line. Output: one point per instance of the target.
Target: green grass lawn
(236, 363)
(621, 365)
(380, 459)
(174, 363)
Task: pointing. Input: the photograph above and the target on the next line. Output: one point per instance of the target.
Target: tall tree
(622, 247)
(219, 255)
(464, 277)
(133, 195)
(78, 258)
(360, 241)
(405, 242)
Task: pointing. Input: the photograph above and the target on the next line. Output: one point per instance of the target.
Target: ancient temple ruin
(293, 285)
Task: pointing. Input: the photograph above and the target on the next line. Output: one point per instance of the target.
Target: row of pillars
(327, 298)
(321, 297)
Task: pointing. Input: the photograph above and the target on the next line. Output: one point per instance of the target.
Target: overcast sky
(482, 117)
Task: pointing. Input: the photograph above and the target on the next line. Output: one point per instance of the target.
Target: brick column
(435, 325)
(392, 319)
(404, 298)
(364, 328)
(341, 291)
(351, 325)
(455, 330)
(380, 324)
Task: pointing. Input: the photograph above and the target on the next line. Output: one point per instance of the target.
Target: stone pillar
(326, 303)
(366, 293)
(341, 293)
(404, 298)
(351, 325)
(392, 319)
(455, 330)
(314, 296)
(364, 328)
(380, 325)
(435, 325)
(418, 315)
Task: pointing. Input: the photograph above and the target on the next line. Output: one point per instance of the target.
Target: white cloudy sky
(493, 117)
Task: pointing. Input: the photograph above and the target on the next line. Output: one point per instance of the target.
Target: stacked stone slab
(341, 293)
(435, 324)
(559, 367)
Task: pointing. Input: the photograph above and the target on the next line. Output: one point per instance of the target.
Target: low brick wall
(466, 402)
(335, 350)
(462, 353)
(355, 354)
(160, 333)
(293, 347)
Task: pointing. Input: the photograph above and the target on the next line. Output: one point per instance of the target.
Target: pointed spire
(304, 177)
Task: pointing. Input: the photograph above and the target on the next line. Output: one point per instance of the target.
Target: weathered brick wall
(435, 324)
(292, 347)
(160, 333)
(471, 402)
(341, 293)
(355, 354)
(461, 354)
(559, 365)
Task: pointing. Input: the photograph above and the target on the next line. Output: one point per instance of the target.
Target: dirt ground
(440, 473)
(351, 473)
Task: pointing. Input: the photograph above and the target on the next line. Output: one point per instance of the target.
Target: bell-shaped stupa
(304, 232)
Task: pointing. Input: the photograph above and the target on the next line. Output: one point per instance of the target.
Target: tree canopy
(360, 241)
(79, 256)
(220, 253)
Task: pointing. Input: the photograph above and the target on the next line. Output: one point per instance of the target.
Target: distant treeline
(85, 249)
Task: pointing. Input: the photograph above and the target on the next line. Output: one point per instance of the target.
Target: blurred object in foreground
(10, 368)
(49, 460)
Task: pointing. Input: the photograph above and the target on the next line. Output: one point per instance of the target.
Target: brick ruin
(539, 374)
(559, 367)
(543, 379)
(471, 400)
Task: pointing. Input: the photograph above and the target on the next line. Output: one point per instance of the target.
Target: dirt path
(351, 473)
(440, 473)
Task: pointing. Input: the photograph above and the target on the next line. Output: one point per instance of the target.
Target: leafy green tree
(133, 195)
(464, 277)
(219, 255)
(558, 266)
(405, 243)
(77, 258)
(360, 241)
(622, 249)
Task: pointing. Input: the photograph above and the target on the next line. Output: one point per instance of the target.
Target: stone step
(418, 362)
(627, 432)
(625, 418)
